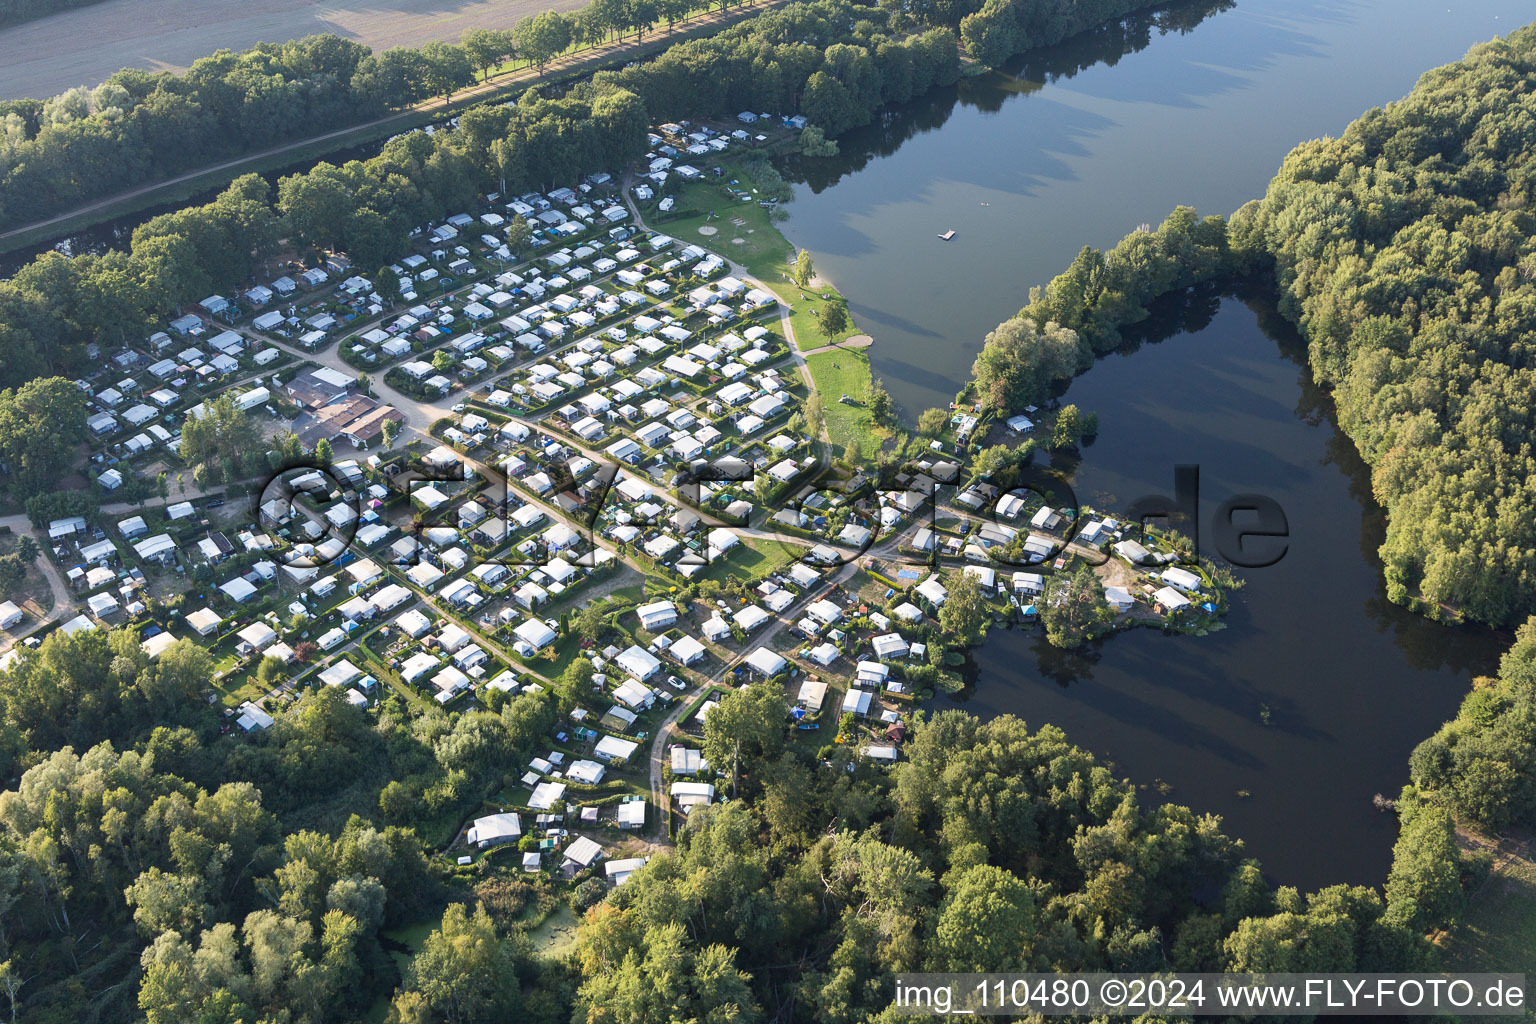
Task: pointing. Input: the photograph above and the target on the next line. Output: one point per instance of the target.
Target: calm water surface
(1350, 683)
(1079, 146)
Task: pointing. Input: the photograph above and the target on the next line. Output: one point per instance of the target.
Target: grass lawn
(373, 664)
(625, 586)
(1498, 930)
(629, 595)
(234, 687)
(763, 250)
(805, 304)
(846, 373)
(234, 690)
(566, 649)
(33, 595)
(752, 559)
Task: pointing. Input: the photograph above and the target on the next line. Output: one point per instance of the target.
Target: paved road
(597, 55)
(667, 730)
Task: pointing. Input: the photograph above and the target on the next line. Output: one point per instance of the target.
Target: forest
(1483, 762)
(151, 868)
(1403, 252)
(141, 126)
(806, 57)
(834, 60)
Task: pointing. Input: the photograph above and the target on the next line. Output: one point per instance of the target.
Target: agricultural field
(84, 46)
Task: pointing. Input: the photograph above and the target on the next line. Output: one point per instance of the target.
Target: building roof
(638, 662)
(583, 851)
(765, 662)
(612, 748)
(546, 794)
(495, 828)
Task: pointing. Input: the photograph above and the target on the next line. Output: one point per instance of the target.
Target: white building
(656, 615)
(493, 829)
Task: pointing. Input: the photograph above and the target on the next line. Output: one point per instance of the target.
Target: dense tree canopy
(1482, 764)
(40, 424)
(221, 436)
(1073, 608)
(140, 126)
(989, 847)
(1021, 362)
(1404, 251)
(834, 61)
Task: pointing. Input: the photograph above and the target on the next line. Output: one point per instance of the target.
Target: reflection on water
(1025, 74)
(1194, 104)
(1348, 682)
(1312, 698)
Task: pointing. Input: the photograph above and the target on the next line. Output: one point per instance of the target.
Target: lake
(1079, 145)
(1349, 683)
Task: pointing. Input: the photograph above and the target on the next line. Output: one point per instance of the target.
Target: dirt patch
(708, 229)
(1113, 573)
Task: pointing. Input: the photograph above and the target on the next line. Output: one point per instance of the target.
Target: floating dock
(947, 235)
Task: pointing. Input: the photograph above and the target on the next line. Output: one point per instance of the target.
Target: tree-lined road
(83, 46)
(231, 169)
